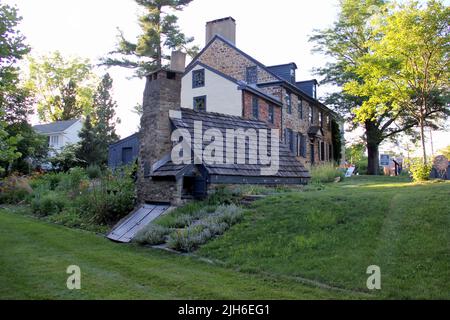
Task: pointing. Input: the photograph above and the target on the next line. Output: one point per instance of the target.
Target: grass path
(34, 256)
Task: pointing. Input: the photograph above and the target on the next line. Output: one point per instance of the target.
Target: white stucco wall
(222, 95)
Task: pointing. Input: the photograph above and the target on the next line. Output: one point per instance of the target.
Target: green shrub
(152, 234)
(230, 215)
(71, 181)
(203, 230)
(50, 180)
(225, 195)
(111, 199)
(419, 171)
(325, 173)
(195, 209)
(94, 172)
(362, 166)
(189, 239)
(14, 190)
(48, 204)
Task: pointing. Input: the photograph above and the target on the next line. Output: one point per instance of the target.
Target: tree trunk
(422, 138)
(373, 167)
(373, 143)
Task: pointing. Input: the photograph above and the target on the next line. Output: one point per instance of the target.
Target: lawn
(34, 256)
(293, 245)
(332, 236)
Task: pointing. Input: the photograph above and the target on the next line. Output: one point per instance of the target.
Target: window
(288, 102)
(252, 75)
(330, 152)
(289, 139)
(54, 141)
(314, 91)
(301, 145)
(311, 115)
(271, 114)
(127, 155)
(200, 103)
(198, 78)
(321, 119)
(255, 107)
(322, 151)
(312, 155)
(300, 108)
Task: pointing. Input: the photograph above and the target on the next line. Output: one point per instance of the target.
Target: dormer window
(292, 75)
(314, 91)
(252, 75)
(198, 78)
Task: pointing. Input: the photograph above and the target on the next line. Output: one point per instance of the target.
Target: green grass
(333, 235)
(326, 235)
(34, 256)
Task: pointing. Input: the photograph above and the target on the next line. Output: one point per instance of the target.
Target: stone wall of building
(263, 113)
(229, 61)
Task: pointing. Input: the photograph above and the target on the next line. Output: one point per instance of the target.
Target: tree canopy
(407, 68)
(160, 34)
(374, 46)
(12, 97)
(63, 87)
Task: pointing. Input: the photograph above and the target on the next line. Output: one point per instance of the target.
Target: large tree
(105, 116)
(160, 35)
(88, 150)
(63, 87)
(407, 66)
(12, 97)
(347, 42)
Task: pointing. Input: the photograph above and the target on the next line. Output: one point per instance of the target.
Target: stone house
(161, 180)
(267, 93)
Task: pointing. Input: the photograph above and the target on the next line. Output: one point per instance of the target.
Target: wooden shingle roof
(289, 167)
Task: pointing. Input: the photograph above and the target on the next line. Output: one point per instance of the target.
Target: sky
(273, 32)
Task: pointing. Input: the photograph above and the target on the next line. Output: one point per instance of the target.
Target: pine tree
(160, 35)
(105, 116)
(89, 151)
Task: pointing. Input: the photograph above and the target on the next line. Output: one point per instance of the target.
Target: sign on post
(385, 160)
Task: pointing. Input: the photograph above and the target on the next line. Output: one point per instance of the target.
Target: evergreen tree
(89, 151)
(160, 35)
(105, 116)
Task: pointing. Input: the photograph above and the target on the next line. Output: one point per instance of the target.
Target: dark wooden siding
(123, 152)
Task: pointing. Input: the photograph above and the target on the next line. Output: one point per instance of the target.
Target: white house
(61, 133)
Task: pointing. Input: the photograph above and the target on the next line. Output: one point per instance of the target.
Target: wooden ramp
(127, 229)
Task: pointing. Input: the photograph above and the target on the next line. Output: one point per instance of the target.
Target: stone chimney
(225, 27)
(178, 61)
(161, 96)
